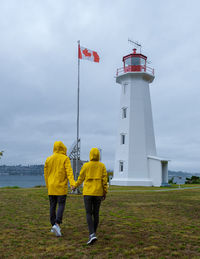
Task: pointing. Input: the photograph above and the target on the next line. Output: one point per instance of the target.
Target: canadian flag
(84, 53)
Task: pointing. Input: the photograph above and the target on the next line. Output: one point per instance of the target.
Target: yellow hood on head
(60, 148)
(94, 154)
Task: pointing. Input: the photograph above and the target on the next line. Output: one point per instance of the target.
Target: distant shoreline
(39, 170)
(22, 170)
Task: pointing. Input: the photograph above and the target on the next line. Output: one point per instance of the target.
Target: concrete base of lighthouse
(156, 172)
(131, 182)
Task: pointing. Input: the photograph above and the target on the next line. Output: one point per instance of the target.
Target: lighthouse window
(124, 88)
(124, 113)
(128, 62)
(121, 166)
(142, 61)
(122, 139)
(135, 61)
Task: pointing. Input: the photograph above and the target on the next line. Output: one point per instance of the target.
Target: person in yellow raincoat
(94, 175)
(57, 172)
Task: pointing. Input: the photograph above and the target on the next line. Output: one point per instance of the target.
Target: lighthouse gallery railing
(123, 70)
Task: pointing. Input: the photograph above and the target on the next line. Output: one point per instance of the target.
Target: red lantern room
(135, 62)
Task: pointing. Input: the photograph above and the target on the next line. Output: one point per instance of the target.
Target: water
(24, 181)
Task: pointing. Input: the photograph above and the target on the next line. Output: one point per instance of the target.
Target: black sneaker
(92, 239)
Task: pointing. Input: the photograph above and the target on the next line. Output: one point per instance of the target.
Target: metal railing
(73, 150)
(139, 68)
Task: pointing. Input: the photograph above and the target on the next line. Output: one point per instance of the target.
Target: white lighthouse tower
(136, 161)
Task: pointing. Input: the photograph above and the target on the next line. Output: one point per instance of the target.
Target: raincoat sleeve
(105, 180)
(46, 173)
(81, 177)
(69, 171)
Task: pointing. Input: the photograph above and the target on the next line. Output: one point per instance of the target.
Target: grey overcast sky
(38, 75)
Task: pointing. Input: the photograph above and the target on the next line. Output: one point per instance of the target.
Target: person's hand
(104, 197)
(73, 188)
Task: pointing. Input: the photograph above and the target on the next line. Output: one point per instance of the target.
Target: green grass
(135, 222)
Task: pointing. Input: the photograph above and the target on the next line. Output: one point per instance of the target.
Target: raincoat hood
(60, 148)
(94, 154)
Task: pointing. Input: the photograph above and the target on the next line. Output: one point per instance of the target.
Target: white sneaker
(92, 239)
(56, 230)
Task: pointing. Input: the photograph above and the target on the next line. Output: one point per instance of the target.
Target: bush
(193, 180)
(171, 181)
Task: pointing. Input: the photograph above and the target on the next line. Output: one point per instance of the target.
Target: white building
(136, 161)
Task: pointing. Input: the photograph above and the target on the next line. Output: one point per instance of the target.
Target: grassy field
(135, 222)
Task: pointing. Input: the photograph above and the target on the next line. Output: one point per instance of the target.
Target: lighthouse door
(164, 173)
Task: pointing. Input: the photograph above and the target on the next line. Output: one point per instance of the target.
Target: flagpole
(78, 92)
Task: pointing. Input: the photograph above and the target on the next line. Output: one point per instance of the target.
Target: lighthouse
(136, 160)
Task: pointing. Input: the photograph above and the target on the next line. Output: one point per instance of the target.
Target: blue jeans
(61, 200)
(92, 206)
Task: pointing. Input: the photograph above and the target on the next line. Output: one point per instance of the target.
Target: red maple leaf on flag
(96, 56)
(86, 53)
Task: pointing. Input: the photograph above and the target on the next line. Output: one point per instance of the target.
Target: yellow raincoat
(58, 170)
(94, 175)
